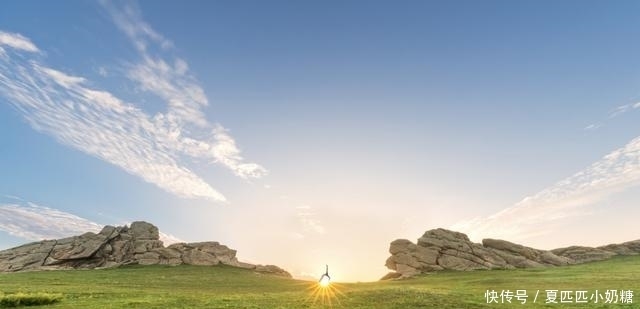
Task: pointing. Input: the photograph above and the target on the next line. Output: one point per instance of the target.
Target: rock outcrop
(441, 249)
(114, 246)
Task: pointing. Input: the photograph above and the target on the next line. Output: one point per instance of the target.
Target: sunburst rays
(326, 293)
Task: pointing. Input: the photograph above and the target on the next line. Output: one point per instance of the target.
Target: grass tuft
(28, 299)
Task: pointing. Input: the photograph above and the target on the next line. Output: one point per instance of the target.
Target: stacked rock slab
(114, 246)
(441, 249)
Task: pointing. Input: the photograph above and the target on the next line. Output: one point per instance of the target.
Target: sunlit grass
(188, 286)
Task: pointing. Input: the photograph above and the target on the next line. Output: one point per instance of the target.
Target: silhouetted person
(326, 274)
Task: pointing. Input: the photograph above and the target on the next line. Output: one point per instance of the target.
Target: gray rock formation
(441, 249)
(115, 246)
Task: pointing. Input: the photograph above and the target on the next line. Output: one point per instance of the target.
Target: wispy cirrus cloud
(93, 120)
(170, 80)
(34, 222)
(127, 16)
(98, 123)
(623, 109)
(615, 172)
(31, 221)
(593, 126)
(619, 110)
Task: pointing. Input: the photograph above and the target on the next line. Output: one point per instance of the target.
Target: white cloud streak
(593, 126)
(98, 123)
(615, 172)
(17, 41)
(34, 222)
(129, 19)
(227, 153)
(622, 109)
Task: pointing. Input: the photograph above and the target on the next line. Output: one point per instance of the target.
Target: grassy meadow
(227, 287)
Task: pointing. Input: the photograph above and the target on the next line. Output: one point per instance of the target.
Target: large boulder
(409, 259)
(138, 243)
(441, 249)
(144, 231)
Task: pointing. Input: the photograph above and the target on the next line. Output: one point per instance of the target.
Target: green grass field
(226, 287)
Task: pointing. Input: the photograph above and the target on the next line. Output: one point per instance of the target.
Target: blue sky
(305, 133)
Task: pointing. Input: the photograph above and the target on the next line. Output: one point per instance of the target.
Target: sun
(324, 282)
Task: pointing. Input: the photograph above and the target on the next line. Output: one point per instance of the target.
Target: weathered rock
(627, 248)
(26, 257)
(493, 260)
(533, 257)
(401, 245)
(168, 256)
(115, 246)
(145, 245)
(448, 261)
(581, 254)
(272, 270)
(148, 258)
(548, 257)
(406, 271)
(245, 265)
(515, 261)
(443, 249)
(197, 257)
(425, 256)
(144, 230)
(392, 275)
(516, 249)
(78, 247)
(441, 238)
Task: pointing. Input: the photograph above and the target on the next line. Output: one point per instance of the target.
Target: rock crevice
(441, 249)
(49, 254)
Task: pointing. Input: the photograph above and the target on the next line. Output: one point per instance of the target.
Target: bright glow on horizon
(324, 282)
